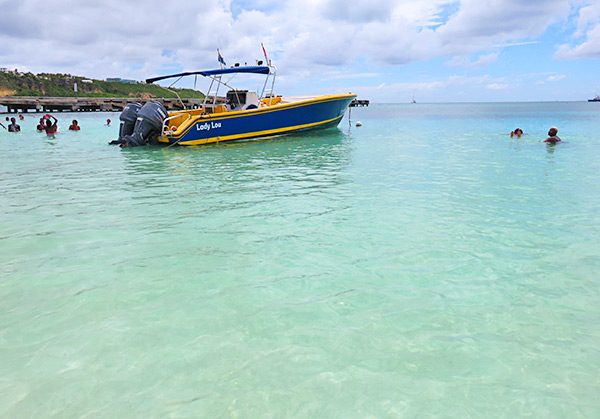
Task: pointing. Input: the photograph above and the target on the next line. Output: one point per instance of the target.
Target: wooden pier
(359, 102)
(87, 104)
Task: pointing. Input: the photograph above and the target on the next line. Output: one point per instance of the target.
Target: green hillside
(62, 85)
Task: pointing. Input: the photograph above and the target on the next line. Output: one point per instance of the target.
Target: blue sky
(383, 50)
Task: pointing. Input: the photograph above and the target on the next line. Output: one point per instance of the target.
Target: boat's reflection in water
(243, 172)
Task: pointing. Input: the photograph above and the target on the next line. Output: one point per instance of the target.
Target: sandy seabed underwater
(423, 265)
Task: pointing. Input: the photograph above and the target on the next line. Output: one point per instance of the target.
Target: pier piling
(359, 102)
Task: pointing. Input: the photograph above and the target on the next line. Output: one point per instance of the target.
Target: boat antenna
(265, 92)
(265, 52)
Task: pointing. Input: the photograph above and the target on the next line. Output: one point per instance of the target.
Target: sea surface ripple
(422, 265)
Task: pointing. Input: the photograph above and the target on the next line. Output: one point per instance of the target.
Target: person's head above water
(552, 137)
(518, 132)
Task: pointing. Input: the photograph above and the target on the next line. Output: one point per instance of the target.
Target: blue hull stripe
(274, 120)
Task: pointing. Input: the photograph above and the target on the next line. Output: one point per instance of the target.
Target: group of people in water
(13, 126)
(552, 137)
(47, 124)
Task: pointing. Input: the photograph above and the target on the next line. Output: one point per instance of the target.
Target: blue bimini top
(248, 69)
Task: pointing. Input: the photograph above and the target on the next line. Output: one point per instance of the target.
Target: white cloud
(340, 75)
(517, 44)
(556, 78)
(356, 11)
(586, 43)
(551, 78)
(588, 18)
(306, 38)
(454, 83)
(483, 24)
(497, 86)
(479, 62)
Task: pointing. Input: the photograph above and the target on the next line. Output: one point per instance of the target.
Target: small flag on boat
(221, 60)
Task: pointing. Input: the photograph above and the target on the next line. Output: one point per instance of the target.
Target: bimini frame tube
(272, 72)
(215, 76)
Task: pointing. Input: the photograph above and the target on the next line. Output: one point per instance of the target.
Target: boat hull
(316, 113)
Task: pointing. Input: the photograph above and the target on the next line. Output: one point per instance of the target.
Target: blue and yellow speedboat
(240, 114)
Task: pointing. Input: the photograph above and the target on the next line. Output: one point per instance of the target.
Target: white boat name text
(208, 126)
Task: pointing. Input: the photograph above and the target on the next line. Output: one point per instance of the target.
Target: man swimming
(14, 127)
(552, 137)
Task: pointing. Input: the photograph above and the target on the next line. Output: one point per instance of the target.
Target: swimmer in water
(51, 127)
(14, 127)
(518, 132)
(74, 126)
(552, 137)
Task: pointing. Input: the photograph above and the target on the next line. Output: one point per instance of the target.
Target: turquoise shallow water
(422, 265)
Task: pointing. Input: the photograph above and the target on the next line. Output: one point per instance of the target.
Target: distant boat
(413, 101)
(596, 99)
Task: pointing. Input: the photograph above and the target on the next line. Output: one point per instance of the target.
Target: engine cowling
(149, 122)
(128, 119)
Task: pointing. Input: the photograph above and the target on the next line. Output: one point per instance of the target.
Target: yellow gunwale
(273, 108)
(249, 134)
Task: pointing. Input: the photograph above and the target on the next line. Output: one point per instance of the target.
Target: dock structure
(359, 102)
(87, 104)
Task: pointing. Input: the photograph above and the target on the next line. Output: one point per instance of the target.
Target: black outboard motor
(149, 122)
(128, 118)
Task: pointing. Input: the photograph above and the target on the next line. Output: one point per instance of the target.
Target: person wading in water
(51, 127)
